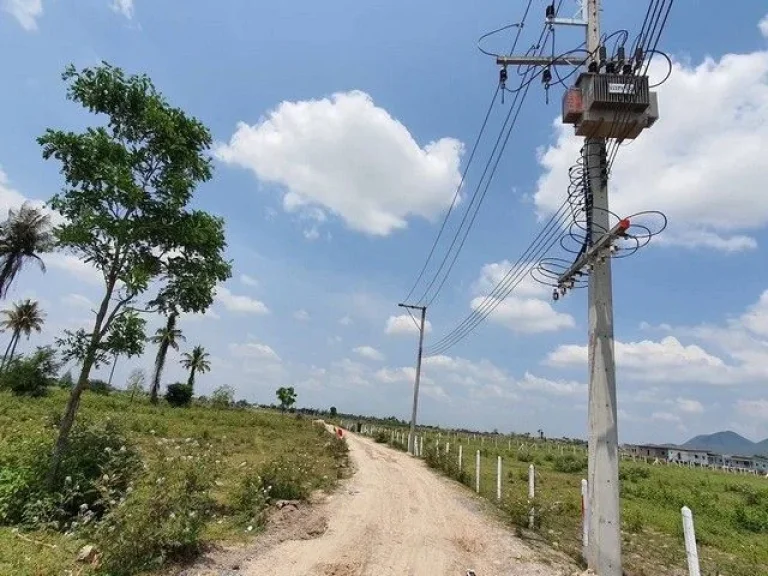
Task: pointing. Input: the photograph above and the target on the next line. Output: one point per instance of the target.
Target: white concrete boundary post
(447, 447)
(498, 478)
(531, 493)
(460, 450)
(421, 447)
(477, 472)
(690, 542)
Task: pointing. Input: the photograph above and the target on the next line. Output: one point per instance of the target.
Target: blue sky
(341, 131)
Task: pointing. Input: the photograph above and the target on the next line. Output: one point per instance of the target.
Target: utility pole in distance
(412, 434)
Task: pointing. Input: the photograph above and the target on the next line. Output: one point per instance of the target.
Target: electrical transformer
(610, 105)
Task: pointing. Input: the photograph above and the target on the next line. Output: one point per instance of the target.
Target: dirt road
(396, 517)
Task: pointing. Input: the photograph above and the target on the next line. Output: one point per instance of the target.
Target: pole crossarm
(539, 61)
(594, 251)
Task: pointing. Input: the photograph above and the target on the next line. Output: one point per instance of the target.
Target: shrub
(634, 473)
(96, 470)
(31, 375)
(569, 463)
(223, 397)
(179, 395)
(284, 478)
(381, 437)
(634, 521)
(249, 500)
(523, 456)
(99, 386)
(66, 382)
(161, 519)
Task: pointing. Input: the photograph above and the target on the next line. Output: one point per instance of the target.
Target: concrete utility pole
(604, 550)
(412, 435)
(629, 94)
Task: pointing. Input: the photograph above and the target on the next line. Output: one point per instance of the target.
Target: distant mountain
(727, 442)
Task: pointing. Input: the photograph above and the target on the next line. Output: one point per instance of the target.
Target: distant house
(760, 464)
(647, 451)
(683, 456)
(741, 462)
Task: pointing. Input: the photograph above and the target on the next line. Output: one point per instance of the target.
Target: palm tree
(24, 234)
(195, 362)
(167, 337)
(22, 318)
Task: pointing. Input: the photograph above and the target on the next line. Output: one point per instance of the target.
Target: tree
(178, 395)
(135, 382)
(333, 412)
(223, 397)
(24, 235)
(128, 185)
(286, 396)
(165, 338)
(196, 362)
(22, 318)
(31, 375)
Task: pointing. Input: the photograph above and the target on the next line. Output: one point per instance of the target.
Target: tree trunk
(16, 338)
(7, 350)
(112, 372)
(69, 419)
(82, 382)
(191, 380)
(162, 352)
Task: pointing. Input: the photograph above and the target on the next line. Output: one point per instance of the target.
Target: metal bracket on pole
(566, 280)
(538, 61)
(579, 19)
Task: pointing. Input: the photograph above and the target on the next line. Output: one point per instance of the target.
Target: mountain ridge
(727, 442)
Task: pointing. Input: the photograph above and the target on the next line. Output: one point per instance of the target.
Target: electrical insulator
(592, 67)
(563, 290)
(603, 56)
(610, 67)
(626, 69)
(546, 77)
(638, 58)
(503, 76)
(555, 295)
(550, 12)
(620, 55)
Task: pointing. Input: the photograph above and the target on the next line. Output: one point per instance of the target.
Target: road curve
(396, 517)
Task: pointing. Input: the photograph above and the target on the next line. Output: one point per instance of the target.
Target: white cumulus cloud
(124, 7)
(254, 350)
(524, 309)
(702, 163)
(346, 156)
(301, 315)
(248, 280)
(239, 303)
(25, 11)
(405, 324)
(369, 352)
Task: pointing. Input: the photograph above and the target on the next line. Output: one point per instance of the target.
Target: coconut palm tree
(24, 235)
(22, 318)
(195, 362)
(167, 337)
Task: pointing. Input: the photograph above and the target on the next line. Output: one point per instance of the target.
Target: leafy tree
(333, 412)
(179, 394)
(128, 185)
(195, 362)
(135, 383)
(223, 397)
(33, 374)
(165, 338)
(66, 381)
(24, 235)
(286, 396)
(22, 318)
(98, 386)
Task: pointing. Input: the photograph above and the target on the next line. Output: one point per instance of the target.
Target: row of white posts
(688, 528)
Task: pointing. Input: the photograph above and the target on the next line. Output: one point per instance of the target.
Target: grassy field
(730, 511)
(233, 443)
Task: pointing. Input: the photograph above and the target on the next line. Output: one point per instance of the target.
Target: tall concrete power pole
(604, 551)
(412, 434)
(638, 111)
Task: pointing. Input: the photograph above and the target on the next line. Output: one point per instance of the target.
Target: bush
(96, 470)
(381, 437)
(31, 375)
(569, 463)
(634, 473)
(161, 519)
(249, 500)
(524, 456)
(179, 395)
(99, 386)
(66, 382)
(284, 479)
(223, 397)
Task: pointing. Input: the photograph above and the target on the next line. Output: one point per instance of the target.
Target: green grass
(730, 511)
(243, 441)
